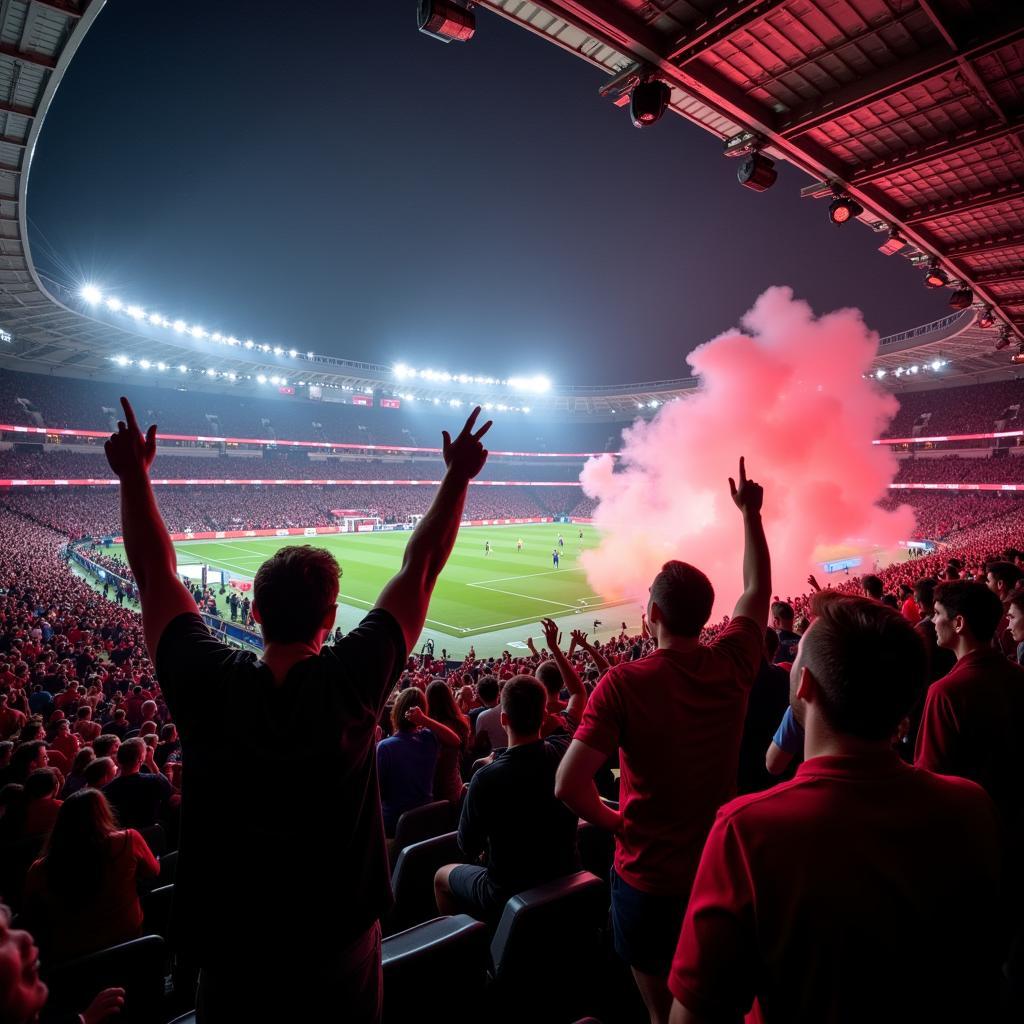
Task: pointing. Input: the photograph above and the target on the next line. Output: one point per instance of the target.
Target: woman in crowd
(76, 778)
(1015, 621)
(82, 894)
(407, 760)
(441, 707)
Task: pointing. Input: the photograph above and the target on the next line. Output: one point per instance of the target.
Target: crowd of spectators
(90, 764)
(973, 409)
(958, 469)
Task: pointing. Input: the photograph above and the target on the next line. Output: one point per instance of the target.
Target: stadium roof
(915, 114)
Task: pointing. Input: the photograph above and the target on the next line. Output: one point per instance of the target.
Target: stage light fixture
(893, 244)
(1004, 338)
(445, 20)
(880, 373)
(962, 298)
(936, 277)
(843, 208)
(757, 172)
(986, 319)
(647, 102)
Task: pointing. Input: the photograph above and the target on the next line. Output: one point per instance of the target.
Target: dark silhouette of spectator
(139, 799)
(441, 707)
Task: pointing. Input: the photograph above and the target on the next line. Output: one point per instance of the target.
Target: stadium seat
(597, 848)
(413, 880)
(420, 961)
(168, 868)
(156, 838)
(156, 911)
(422, 823)
(556, 926)
(136, 966)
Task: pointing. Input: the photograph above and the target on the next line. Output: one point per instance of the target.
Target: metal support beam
(925, 153)
(66, 7)
(977, 201)
(728, 19)
(39, 60)
(1001, 276)
(10, 140)
(996, 244)
(14, 108)
(896, 79)
(1012, 300)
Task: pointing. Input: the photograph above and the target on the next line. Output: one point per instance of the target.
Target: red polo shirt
(973, 726)
(861, 883)
(677, 719)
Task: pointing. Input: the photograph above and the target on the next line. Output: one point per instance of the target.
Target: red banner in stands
(950, 437)
(390, 403)
(97, 482)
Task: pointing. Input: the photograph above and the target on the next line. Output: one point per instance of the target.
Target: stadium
(904, 117)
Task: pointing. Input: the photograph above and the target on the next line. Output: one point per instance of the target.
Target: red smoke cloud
(789, 393)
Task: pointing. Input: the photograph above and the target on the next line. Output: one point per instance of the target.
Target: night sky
(319, 174)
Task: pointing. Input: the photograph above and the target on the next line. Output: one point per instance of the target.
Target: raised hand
(416, 715)
(580, 638)
(107, 1004)
(813, 582)
(128, 452)
(466, 455)
(749, 495)
(552, 634)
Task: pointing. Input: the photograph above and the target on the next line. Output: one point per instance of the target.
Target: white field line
(524, 597)
(525, 576)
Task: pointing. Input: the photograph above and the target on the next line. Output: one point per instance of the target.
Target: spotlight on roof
(880, 372)
(986, 318)
(757, 172)
(91, 294)
(962, 298)
(1019, 357)
(893, 243)
(1004, 338)
(445, 20)
(936, 277)
(647, 102)
(843, 208)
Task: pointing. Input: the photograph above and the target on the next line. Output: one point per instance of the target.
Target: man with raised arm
(676, 718)
(283, 873)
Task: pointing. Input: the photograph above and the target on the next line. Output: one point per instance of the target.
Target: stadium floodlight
(654, 403)
(843, 208)
(526, 408)
(161, 367)
(309, 355)
(647, 102)
(182, 368)
(156, 319)
(437, 401)
(445, 20)
(231, 340)
(454, 403)
(757, 172)
(880, 373)
(935, 277)
(180, 326)
(114, 304)
(197, 332)
(145, 364)
(91, 294)
(278, 350)
(261, 378)
(938, 364)
(537, 384)
(292, 352)
(986, 318)
(230, 375)
(122, 360)
(914, 369)
(962, 298)
(136, 312)
(211, 373)
(248, 343)
(899, 371)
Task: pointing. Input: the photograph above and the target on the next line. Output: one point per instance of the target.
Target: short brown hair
(868, 661)
(293, 591)
(523, 699)
(684, 597)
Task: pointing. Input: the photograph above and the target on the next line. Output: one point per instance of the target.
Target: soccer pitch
(476, 594)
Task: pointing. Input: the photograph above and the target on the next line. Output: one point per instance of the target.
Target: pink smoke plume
(789, 393)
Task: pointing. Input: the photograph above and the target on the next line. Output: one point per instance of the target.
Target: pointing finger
(447, 438)
(732, 486)
(151, 440)
(483, 430)
(471, 420)
(743, 470)
(129, 413)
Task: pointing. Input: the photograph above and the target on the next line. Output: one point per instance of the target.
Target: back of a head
(771, 643)
(97, 771)
(684, 597)
(131, 753)
(981, 609)
(441, 704)
(106, 745)
(868, 661)
(873, 587)
(783, 611)
(924, 592)
(41, 783)
(487, 689)
(524, 700)
(294, 590)
(74, 855)
(550, 678)
(404, 702)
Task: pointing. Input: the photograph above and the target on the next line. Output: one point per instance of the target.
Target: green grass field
(476, 593)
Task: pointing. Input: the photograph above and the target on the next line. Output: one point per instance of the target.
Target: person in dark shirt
(303, 833)
(782, 622)
(767, 703)
(139, 798)
(511, 814)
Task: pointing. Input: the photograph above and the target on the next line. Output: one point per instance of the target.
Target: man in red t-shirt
(862, 890)
(676, 718)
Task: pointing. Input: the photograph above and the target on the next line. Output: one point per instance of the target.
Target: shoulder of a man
(372, 655)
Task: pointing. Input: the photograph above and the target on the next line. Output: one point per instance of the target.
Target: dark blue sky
(320, 174)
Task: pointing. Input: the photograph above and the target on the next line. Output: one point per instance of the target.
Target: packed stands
(954, 469)
(975, 409)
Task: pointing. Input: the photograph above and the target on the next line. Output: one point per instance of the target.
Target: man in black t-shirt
(282, 874)
(511, 813)
(782, 622)
(139, 798)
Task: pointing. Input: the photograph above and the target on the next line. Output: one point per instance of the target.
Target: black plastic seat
(553, 926)
(156, 838)
(136, 966)
(420, 961)
(413, 880)
(156, 910)
(168, 868)
(421, 823)
(597, 849)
